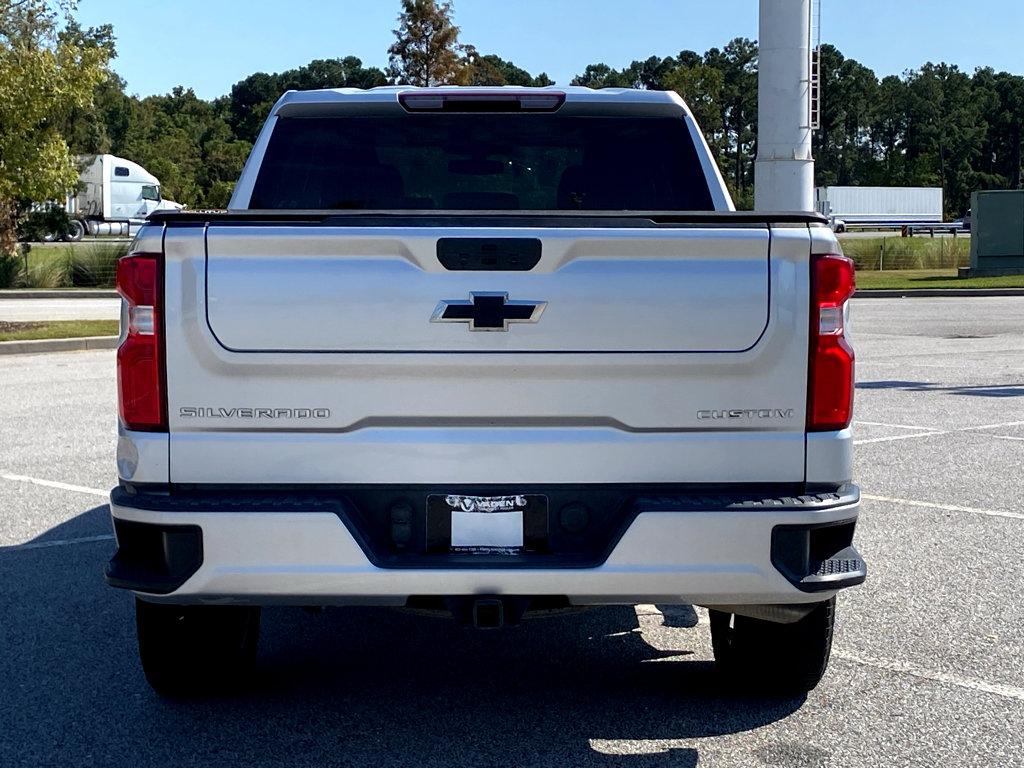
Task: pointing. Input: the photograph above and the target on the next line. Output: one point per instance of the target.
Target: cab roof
(591, 100)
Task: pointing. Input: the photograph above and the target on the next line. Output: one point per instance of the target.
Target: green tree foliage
(49, 69)
(85, 127)
(737, 62)
(853, 91)
(250, 103)
(701, 86)
(175, 136)
(251, 99)
(493, 70)
(1001, 99)
(721, 89)
(935, 125)
(600, 75)
(426, 48)
(196, 147)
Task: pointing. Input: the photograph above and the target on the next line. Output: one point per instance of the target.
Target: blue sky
(211, 44)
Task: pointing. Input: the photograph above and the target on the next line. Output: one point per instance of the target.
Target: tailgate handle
(497, 254)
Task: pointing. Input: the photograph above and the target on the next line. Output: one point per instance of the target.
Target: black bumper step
(818, 557)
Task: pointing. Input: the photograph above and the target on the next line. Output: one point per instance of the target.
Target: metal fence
(896, 253)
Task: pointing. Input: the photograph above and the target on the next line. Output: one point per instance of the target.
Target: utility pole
(784, 169)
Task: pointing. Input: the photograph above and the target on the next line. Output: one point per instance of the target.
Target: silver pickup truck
(490, 351)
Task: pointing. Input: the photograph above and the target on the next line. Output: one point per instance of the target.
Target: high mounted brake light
(830, 370)
(140, 358)
(481, 101)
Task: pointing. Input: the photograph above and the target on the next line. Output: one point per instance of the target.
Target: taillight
(140, 358)
(830, 371)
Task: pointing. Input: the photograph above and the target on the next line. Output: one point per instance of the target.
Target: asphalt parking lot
(928, 663)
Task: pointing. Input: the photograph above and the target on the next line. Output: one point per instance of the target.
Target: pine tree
(426, 51)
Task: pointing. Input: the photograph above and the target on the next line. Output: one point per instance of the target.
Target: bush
(95, 265)
(45, 273)
(10, 268)
(44, 224)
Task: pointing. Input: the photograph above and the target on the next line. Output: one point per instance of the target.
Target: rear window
(482, 162)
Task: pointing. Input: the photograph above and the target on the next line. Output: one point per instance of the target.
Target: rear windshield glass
(482, 162)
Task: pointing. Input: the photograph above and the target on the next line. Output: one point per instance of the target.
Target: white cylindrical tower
(784, 170)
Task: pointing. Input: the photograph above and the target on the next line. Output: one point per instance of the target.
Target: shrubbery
(80, 266)
(10, 269)
(44, 224)
(95, 265)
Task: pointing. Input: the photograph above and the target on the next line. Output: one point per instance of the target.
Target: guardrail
(950, 228)
(906, 229)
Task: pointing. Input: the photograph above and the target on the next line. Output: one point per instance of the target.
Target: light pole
(784, 169)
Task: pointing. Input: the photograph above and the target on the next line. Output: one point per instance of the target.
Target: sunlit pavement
(59, 309)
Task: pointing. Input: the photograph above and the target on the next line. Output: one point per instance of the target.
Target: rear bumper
(705, 549)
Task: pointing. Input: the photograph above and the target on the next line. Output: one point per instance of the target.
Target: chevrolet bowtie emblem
(487, 311)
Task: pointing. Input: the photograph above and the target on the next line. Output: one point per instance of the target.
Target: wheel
(188, 650)
(76, 229)
(773, 658)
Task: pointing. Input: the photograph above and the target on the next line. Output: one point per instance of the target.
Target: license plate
(485, 524)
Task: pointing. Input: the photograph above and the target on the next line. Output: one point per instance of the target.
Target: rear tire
(188, 650)
(76, 230)
(773, 658)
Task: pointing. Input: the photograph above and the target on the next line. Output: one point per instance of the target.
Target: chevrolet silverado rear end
(487, 349)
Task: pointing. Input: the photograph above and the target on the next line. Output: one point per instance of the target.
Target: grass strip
(17, 331)
(911, 279)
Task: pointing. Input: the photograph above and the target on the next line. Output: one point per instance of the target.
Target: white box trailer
(881, 206)
(113, 194)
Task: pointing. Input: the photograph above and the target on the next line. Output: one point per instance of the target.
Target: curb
(26, 346)
(56, 293)
(889, 293)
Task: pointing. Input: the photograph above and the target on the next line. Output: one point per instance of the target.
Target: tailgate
(545, 290)
(312, 354)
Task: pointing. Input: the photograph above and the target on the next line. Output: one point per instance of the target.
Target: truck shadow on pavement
(350, 686)
(1012, 390)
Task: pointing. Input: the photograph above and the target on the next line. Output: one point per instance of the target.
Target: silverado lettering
(193, 412)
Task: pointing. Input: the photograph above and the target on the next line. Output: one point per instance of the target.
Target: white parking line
(997, 424)
(888, 438)
(930, 432)
(1009, 437)
(898, 427)
(54, 484)
(939, 506)
(56, 543)
(907, 668)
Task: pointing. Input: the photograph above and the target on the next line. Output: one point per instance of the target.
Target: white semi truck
(879, 207)
(114, 194)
